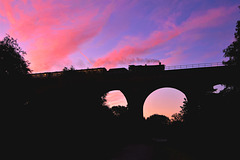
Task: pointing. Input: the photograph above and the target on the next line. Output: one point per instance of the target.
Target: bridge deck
(132, 68)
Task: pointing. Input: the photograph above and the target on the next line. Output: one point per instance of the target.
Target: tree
(177, 117)
(233, 50)
(12, 63)
(190, 113)
(65, 69)
(233, 53)
(158, 125)
(119, 111)
(158, 120)
(13, 72)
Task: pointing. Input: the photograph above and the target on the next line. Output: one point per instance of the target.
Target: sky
(165, 101)
(117, 33)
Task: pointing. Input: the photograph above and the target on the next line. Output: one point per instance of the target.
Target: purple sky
(107, 33)
(116, 33)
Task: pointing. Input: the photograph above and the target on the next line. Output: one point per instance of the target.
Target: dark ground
(150, 151)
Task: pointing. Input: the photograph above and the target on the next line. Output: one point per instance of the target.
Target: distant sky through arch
(164, 101)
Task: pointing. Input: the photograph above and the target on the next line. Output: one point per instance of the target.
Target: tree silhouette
(65, 69)
(119, 111)
(177, 117)
(12, 63)
(190, 114)
(233, 53)
(158, 125)
(13, 73)
(158, 120)
(233, 50)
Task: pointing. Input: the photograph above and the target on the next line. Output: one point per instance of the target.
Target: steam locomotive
(146, 68)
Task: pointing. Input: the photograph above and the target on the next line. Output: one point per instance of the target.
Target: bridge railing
(99, 70)
(199, 65)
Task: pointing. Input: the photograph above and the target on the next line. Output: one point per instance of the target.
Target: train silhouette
(131, 68)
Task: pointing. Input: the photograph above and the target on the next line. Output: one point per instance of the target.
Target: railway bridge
(136, 82)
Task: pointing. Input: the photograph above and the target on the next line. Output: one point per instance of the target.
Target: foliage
(177, 117)
(233, 53)
(14, 70)
(12, 63)
(65, 69)
(119, 110)
(160, 120)
(189, 113)
(233, 50)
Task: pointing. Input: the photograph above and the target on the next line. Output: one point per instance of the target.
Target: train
(131, 68)
(60, 73)
(146, 68)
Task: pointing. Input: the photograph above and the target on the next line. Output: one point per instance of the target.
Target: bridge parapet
(132, 68)
(198, 65)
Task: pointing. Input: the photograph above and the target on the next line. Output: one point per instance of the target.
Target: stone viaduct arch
(137, 86)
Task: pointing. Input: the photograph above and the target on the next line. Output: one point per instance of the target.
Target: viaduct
(136, 83)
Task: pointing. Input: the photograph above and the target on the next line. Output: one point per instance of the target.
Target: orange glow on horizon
(164, 101)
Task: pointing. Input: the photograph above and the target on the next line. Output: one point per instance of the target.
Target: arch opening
(164, 101)
(218, 88)
(115, 98)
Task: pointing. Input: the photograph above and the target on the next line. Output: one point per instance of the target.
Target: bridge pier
(136, 97)
(137, 94)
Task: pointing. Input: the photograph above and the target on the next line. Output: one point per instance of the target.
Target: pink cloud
(210, 18)
(54, 29)
(197, 21)
(174, 56)
(126, 53)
